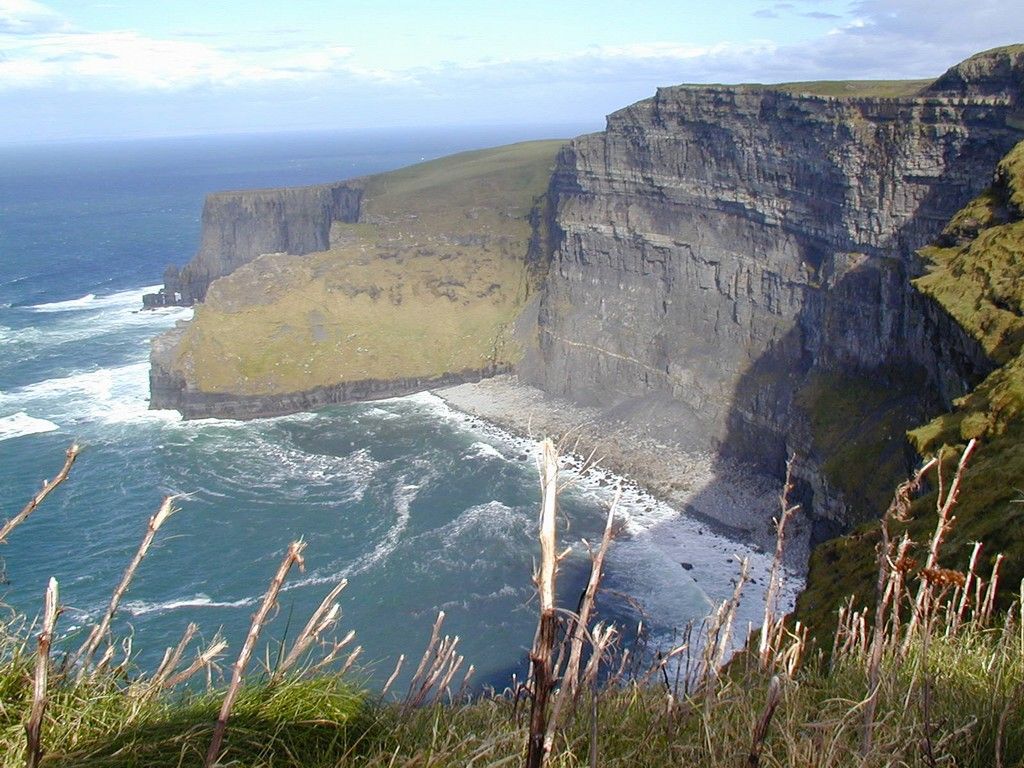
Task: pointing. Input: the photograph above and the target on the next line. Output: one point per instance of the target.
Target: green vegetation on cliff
(432, 279)
(976, 273)
(885, 89)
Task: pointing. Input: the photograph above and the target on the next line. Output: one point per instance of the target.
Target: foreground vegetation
(927, 673)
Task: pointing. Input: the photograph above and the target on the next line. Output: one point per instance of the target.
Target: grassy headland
(433, 278)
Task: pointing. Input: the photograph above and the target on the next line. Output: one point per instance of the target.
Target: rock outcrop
(237, 227)
(433, 283)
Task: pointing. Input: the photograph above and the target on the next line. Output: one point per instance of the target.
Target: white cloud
(25, 17)
(38, 49)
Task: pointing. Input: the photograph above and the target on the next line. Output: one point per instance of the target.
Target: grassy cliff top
(888, 89)
(432, 279)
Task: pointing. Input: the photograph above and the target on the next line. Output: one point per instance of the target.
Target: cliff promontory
(378, 287)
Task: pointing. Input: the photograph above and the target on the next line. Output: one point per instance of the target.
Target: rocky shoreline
(729, 497)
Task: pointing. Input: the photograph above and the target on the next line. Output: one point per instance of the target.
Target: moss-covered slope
(976, 272)
(432, 279)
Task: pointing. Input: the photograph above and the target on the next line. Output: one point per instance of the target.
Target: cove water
(421, 508)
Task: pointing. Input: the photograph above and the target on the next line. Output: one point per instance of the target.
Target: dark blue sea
(421, 508)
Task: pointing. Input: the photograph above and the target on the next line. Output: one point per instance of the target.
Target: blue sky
(81, 69)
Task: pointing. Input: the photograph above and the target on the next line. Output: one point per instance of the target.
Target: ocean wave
(481, 450)
(116, 395)
(20, 424)
(142, 607)
(402, 496)
(91, 301)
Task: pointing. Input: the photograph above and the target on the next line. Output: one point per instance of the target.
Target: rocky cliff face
(721, 249)
(240, 226)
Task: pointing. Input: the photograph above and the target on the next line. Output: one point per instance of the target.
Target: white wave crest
(117, 395)
(403, 497)
(91, 301)
(142, 607)
(20, 424)
(484, 450)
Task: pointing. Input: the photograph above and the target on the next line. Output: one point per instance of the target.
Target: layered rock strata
(722, 248)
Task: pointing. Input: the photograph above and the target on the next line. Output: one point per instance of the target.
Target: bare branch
(35, 501)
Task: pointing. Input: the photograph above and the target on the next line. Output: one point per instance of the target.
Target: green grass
(431, 280)
(887, 89)
(323, 722)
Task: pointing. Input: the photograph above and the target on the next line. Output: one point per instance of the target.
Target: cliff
(239, 226)
(975, 272)
(375, 288)
(733, 269)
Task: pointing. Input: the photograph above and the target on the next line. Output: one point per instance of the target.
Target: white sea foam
(117, 395)
(676, 565)
(20, 423)
(91, 301)
(402, 496)
(484, 450)
(142, 607)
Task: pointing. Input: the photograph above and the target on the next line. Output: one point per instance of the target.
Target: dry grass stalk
(436, 669)
(336, 648)
(33, 729)
(428, 655)
(100, 630)
(569, 689)
(71, 454)
(886, 597)
(351, 660)
(989, 604)
(725, 636)
(326, 616)
(540, 655)
(172, 657)
(965, 593)
(944, 505)
(764, 721)
(391, 680)
(293, 557)
(204, 660)
(603, 637)
(768, 625)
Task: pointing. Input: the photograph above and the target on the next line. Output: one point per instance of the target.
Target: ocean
(420, 507)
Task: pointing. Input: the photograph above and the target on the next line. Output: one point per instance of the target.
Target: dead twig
(33, 729)
(99, 631)
(35, 501)
(540, 656)
(293, 557)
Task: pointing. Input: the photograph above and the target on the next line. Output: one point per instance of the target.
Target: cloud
(128, 60)
(197, 83)
(25, 17)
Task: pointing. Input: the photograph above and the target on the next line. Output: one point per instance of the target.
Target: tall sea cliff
(727, 267)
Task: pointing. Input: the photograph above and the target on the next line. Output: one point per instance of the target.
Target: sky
(77, 69)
